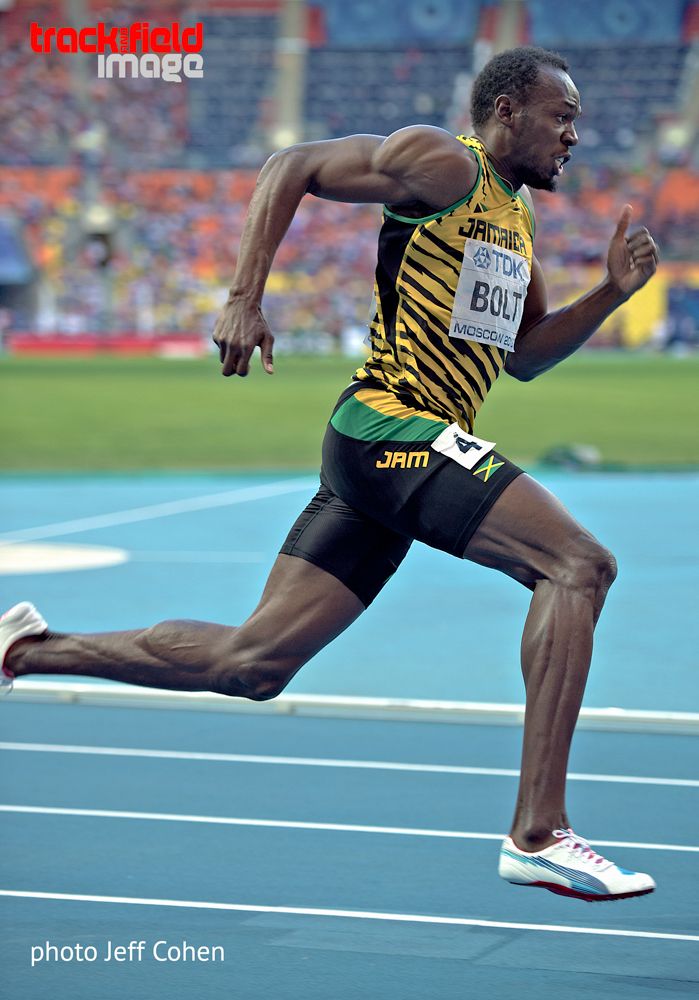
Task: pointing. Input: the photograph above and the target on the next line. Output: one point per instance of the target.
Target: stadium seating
(625, 90)
(402, 70)
(177, 240)
(379, 90)
(606, 22)
(226, 108)
(160, 156)
(395, 24)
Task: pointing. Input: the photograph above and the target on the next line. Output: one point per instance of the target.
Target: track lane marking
(167, 509)
(283, 824)
(204, 556)
(412, 918)
(370, 765)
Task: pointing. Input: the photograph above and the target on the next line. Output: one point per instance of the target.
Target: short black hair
(513, 72)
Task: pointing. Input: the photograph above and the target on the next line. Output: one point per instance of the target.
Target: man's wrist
(244, 296)
(611, 291)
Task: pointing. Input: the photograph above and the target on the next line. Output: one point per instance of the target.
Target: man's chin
(542, 183)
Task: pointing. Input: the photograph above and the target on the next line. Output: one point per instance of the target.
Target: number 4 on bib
(464, 448)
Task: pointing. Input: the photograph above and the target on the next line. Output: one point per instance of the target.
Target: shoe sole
(588, 897)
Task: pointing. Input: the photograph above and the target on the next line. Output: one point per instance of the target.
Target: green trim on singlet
(531, 218)
(359, 421)
(445, 211)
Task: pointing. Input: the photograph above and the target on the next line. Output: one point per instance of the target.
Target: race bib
(464, 448)
(490, 295)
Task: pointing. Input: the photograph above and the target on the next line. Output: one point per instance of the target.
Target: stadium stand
(32, 90)
(606, 22)
(141, 125)
(626, 124)
(394, 24)
(379, 67)
(227, 108)
(173, 166)
(377, 90)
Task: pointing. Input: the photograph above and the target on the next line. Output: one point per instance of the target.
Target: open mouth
(561, 161)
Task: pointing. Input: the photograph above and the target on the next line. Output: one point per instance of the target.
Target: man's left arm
(545, 338)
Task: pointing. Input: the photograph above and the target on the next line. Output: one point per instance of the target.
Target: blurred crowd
(122, 238)
(54, 109)
(576, 222)
(173, 239)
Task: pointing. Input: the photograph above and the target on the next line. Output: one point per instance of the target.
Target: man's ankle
(532, 839)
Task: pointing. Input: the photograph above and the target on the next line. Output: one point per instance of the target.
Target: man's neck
(498, 159)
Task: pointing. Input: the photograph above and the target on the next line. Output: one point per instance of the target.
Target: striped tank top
(448, 297)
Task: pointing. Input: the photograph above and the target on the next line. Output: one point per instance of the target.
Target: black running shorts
(377, 495)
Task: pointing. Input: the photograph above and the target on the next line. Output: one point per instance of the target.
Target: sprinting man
(459, 296)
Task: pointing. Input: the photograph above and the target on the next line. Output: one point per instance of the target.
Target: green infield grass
(112, 413)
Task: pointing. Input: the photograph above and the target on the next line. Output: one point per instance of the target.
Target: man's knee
(255, 679)
(264, 683)
(587, 566)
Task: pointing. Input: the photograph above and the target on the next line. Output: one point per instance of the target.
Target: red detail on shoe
(589, 897)
(579, 844)
(7, 672)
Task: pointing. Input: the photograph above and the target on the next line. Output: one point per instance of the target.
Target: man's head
(523, 104)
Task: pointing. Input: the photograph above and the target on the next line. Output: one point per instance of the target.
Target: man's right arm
(418, 163)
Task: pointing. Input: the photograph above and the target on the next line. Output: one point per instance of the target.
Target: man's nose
(570, 136)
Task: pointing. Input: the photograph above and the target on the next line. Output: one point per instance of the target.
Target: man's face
(544, 130)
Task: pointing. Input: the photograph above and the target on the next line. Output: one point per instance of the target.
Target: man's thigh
(357, 550)
(530, 535)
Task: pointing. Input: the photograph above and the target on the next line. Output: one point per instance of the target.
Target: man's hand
(631, 260)
(241, 328)
(546, 338)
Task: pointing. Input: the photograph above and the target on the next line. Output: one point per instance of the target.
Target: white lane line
(182, 556)
(307, 911)
(369, 765)
(152, 511)
(346, 707)
(283, 824)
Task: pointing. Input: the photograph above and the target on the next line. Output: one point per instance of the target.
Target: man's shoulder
(430, 138)
(434, 164)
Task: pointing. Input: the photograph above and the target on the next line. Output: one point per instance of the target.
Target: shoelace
(578, 846)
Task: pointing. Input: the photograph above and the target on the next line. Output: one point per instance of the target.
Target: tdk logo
(481, 258)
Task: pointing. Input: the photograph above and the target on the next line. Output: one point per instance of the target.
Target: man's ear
(504, 112)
